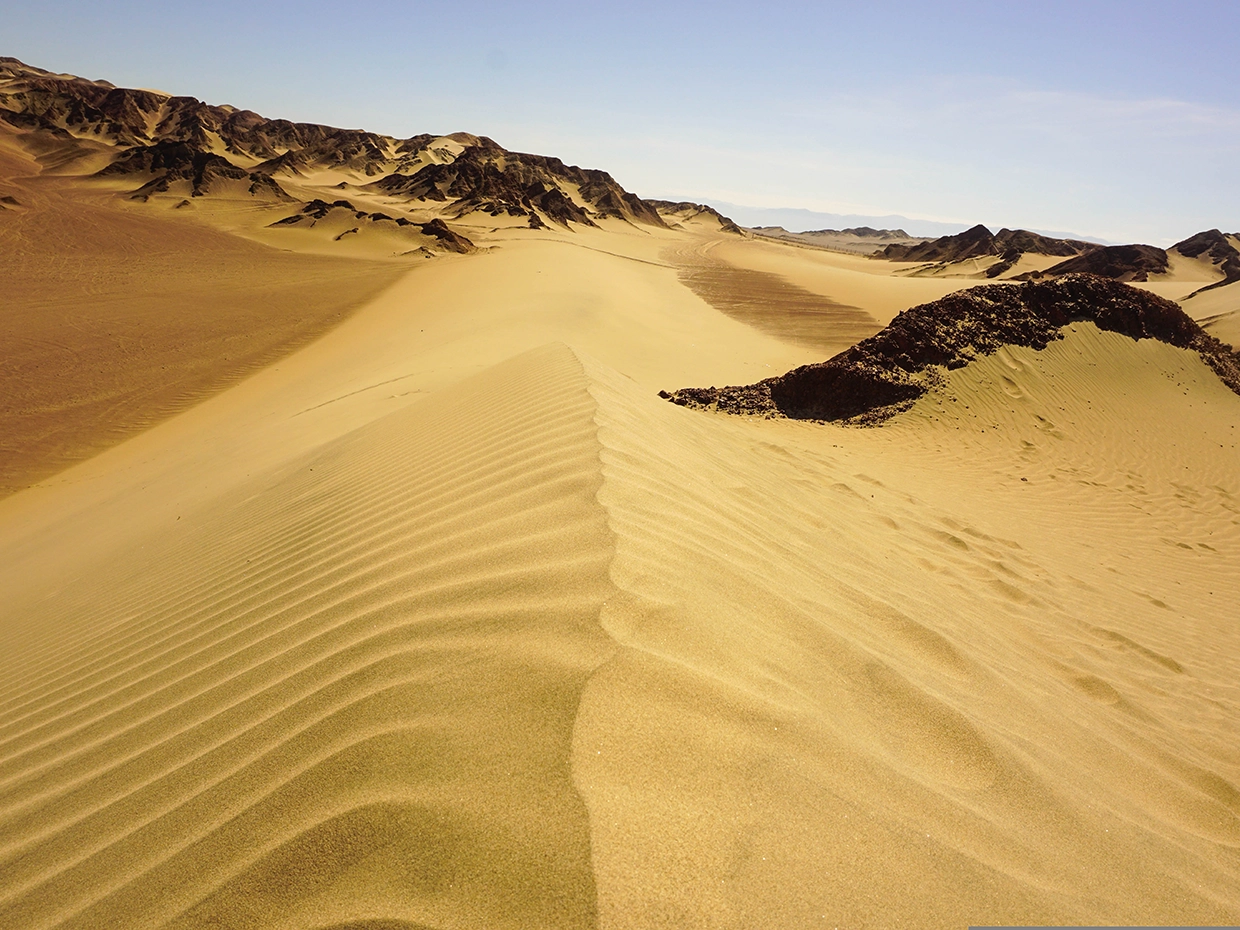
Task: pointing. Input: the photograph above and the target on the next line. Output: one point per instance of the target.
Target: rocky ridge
(680, 211)
(885, 374)
(1138, 262)
(979, 241)
(1134, 262)
(1117, 262)
(181, 146)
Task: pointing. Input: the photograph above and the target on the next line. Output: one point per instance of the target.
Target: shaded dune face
(344, 699)
(114, 321)
(773, 305)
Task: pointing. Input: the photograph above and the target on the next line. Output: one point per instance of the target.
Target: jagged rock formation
(180, 145)
(978, 242)
(1118, 262)
(488, 178)
(317, 210)
(884, 374)
(172, 161)
(1219, 249)
(682, 211)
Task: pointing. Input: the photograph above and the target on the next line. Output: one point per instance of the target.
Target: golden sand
(445, 619)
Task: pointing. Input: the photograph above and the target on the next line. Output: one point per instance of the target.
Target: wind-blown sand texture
(444, 619)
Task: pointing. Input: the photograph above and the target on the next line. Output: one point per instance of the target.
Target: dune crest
(348, 693)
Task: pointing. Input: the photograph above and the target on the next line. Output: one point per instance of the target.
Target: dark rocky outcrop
(178, 138)
(1118, 262)
(979, 242)
(172, 161)
(448, 240)
(487, 178)
(971, 243)
(882, 375)
(453, 242)
(1216, 247)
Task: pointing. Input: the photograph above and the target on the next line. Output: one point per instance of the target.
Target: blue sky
(1116, 120)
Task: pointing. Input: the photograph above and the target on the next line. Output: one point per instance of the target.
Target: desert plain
(355, 574)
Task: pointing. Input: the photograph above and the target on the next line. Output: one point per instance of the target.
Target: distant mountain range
(1120, 262)
(179, 146)
(798, 221)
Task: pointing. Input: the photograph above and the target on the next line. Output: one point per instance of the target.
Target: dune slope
(114, 320)
(866, 679)
(448, 620)
(346, 693)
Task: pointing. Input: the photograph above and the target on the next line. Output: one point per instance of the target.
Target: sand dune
(1218, 311)
(437, 616)
(115, 319)
(867, 675)
(348, 691)
(540, 649)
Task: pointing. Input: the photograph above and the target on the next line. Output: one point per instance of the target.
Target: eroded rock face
(884, 374)
(979, 241)
(1216, 248)
(1119, 262)
(160, 140)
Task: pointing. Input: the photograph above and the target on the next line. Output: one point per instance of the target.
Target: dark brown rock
(1118, 262)
(185, 145)
(979, 242)
(882, 375)
(1213, 245)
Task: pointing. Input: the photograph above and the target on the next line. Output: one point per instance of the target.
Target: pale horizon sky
(1114, 120)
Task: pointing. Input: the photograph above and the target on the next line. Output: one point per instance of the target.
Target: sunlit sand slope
(874, 678)
(492, 636)
(348, 693)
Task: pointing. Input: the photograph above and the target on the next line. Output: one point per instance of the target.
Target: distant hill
(1138, 262)
(863, 240)
(1008, 244)
(1134, 262)
(1221, 250)
(1119, 262)
(797, 220)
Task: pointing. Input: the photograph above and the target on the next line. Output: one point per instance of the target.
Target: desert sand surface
(438, 616)
(1218, 311)
(114, 319)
